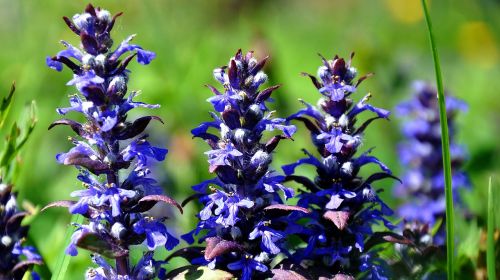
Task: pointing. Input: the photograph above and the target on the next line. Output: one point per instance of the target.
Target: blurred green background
(193, 37)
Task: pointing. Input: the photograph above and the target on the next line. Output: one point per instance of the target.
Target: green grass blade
(490, 249)
(450, 231)
(63, 259)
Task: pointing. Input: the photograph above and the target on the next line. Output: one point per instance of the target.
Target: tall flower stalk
(243, 219)
(111, 153)
(420, 153)
(338, 235)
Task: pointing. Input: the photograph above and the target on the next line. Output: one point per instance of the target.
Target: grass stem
(445, 141)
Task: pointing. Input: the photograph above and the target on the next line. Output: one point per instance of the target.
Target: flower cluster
(419, 258)
(107, 143)
(420, 153)
(344, 206)
(15, 259)
(243, 218)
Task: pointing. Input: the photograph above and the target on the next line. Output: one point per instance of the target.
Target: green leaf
(30, 125)
(63, 260)
(5, 105)
(9, 150)
(192, 272)
(96, 244)
(445, 141)
(490, 241)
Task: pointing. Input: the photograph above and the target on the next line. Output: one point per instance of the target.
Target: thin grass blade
(445, 140)
(490, 243)
(64, 259)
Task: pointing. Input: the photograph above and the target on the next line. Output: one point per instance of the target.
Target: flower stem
(445, 147)
(122, 265)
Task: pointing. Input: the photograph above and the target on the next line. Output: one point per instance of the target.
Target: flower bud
(118, 231)
(104, 16)
(346, 168)
(88, 60)
(343, 121)
(220, 75)
(241, 136)
(324, 73)
(118, 85)
(260, 159)
(259, 79)
(82, 21)
(263, 257)
(235, 232)
(6, 240)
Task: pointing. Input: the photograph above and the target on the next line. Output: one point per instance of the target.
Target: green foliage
(5, 105)
(17, 136)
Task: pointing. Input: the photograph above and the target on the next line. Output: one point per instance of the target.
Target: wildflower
(243, 218)
(107, 145)
(338, 234)
(421, 154)
(15, 258)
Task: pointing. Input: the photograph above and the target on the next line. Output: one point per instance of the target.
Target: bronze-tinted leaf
(70, 64)
(342, 277)
(379, 176)
(382, 237)
(124, 63)
(365, 124)
(94, 166)
(187, 253)
(137, 127)
(304, 181)
(75, 126)
(71, 26)
(59, 203)
(213, 89)
(259, 66)
(273, 143)
(314, 80)
(284, 274)
(14, 222)
(112, 23)
(157, 198)
(339, 218)
(309, 125)
(217, 246)
(95, 243)
(286, 208)
(265, 94)
(21, 267)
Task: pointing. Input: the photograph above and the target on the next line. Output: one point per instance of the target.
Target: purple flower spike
(343, 206)
(242, 237)
(107, 146)
(420, 153)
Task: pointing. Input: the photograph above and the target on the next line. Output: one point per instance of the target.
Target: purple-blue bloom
(420, 153)
(337, 233)
(15, 258)
(243, 220)
(107, 147)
